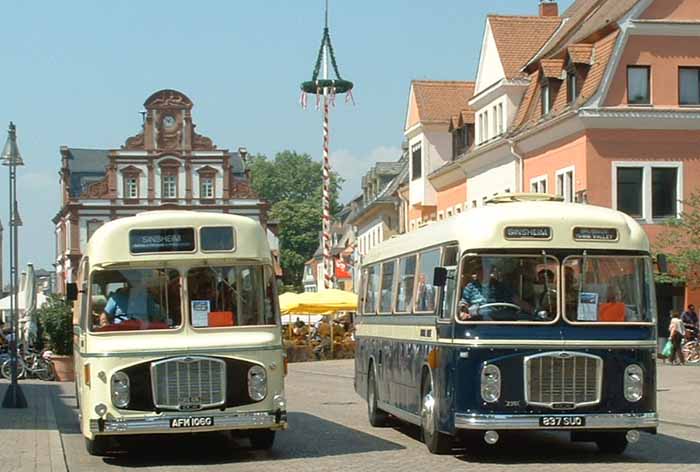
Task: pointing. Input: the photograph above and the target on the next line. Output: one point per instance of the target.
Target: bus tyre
(377, 417)
(262, 439)
(437, 442)
(96, 446)
(611, 443)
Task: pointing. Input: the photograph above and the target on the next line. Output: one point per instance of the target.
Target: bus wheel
(437, 442)
(611, 443)
(377, 417)
(96, 446)
(262, 439)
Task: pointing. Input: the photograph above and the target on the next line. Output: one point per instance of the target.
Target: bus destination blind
(161, 240)
(595, 234)
(528, 232)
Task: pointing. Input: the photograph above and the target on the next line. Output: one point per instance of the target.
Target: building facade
(167, 165)
(598, 104)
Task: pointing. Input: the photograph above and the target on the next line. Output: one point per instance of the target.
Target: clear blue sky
(77, 73)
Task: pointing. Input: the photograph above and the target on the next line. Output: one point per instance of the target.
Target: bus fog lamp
(257, 383)
(634, 383)
(490, 383)
(491, 437)
(121, 390)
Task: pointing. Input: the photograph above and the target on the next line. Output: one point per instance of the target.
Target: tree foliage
(680, 241)
(292, 184)
(57, 319)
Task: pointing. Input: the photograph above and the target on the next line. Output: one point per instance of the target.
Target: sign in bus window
(144, 241)
(216, 238)
(504, 288)
(229, 296)
(607, 289)
(135, 299)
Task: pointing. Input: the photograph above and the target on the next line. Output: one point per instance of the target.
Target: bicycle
(691, 351)
(31, 363)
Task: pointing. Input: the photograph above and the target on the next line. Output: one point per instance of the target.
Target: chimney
(549, 8)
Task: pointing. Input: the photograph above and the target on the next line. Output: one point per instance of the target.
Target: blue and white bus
(525, 314)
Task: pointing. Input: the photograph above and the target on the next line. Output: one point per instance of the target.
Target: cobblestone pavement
(329, 431)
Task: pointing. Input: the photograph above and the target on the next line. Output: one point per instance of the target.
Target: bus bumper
(641, 421)
(178, 423)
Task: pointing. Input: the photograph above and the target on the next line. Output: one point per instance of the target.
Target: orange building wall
(673, 10)
(455, 195)
(606, 146)
(570, 151)
(664, 54)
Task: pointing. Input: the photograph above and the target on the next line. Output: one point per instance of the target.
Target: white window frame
(562, 191)
(537, 183)
(647, 167)
(167, 188)
(132, 191)
(206, 183)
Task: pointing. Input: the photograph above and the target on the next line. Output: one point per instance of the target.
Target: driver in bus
(130, 302)
(475, 294)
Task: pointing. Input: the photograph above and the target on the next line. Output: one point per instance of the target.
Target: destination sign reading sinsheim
(161, 240)
(595, 234)
(528, 232)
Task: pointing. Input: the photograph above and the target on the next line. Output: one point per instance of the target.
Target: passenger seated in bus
(425, 295)
(547, 299)
(131, 302)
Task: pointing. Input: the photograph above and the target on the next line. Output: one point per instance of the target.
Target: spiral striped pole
(326, 228)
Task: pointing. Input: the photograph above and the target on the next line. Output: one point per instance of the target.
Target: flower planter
(63, 365)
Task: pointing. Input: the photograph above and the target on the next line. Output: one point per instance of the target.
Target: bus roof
(484, 228)
(110, 243)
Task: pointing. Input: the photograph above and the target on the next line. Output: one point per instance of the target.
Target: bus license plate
(562, 421)
(192, 422)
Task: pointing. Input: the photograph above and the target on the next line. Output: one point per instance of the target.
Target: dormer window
(460, 141)
(571, 84)
(546, 98)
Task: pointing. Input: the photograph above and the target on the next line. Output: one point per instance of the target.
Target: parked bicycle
(31, 363)
(691, 351)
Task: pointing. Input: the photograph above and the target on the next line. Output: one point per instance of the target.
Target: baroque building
(167, 165)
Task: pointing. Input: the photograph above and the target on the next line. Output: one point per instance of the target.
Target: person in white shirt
(676, 331)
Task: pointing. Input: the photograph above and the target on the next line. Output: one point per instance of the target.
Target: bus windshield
(135, 299)
(608, 289)
(230, 296)
(509, 289)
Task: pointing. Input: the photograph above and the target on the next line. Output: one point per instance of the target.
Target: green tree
(292, 184)
(680, 241)
(56, 318)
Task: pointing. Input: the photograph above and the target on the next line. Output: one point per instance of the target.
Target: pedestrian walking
(690, 320)
(676, 332)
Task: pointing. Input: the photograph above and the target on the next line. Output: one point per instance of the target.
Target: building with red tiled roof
(599, 104)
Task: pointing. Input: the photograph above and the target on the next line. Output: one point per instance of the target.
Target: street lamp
(14, 398)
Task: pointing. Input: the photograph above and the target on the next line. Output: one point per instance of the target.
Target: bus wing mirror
(662, 263)
(439, 277)
(71, 291)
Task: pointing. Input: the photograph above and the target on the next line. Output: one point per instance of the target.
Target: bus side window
(370, 302)
(426, 293)
(449, 295)
(388, 269)
(405, 283)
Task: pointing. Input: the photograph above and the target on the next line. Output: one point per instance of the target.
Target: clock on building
(169, 121)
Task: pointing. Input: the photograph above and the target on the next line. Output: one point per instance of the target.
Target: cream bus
(525, 314)
(176, 329)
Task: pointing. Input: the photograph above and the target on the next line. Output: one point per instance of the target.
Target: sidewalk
(29, 438)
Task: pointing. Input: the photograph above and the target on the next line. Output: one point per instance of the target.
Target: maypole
(328, 89)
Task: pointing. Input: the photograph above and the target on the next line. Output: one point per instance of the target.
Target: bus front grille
(188, 383)
(563, 380)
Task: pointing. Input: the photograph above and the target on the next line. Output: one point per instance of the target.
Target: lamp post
(14, 398)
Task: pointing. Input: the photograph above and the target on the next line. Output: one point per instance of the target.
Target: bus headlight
(257, 383)
(490, 383)
(634, 383)
(120, 390)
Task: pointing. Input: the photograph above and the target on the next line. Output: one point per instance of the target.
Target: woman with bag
(676, 331)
